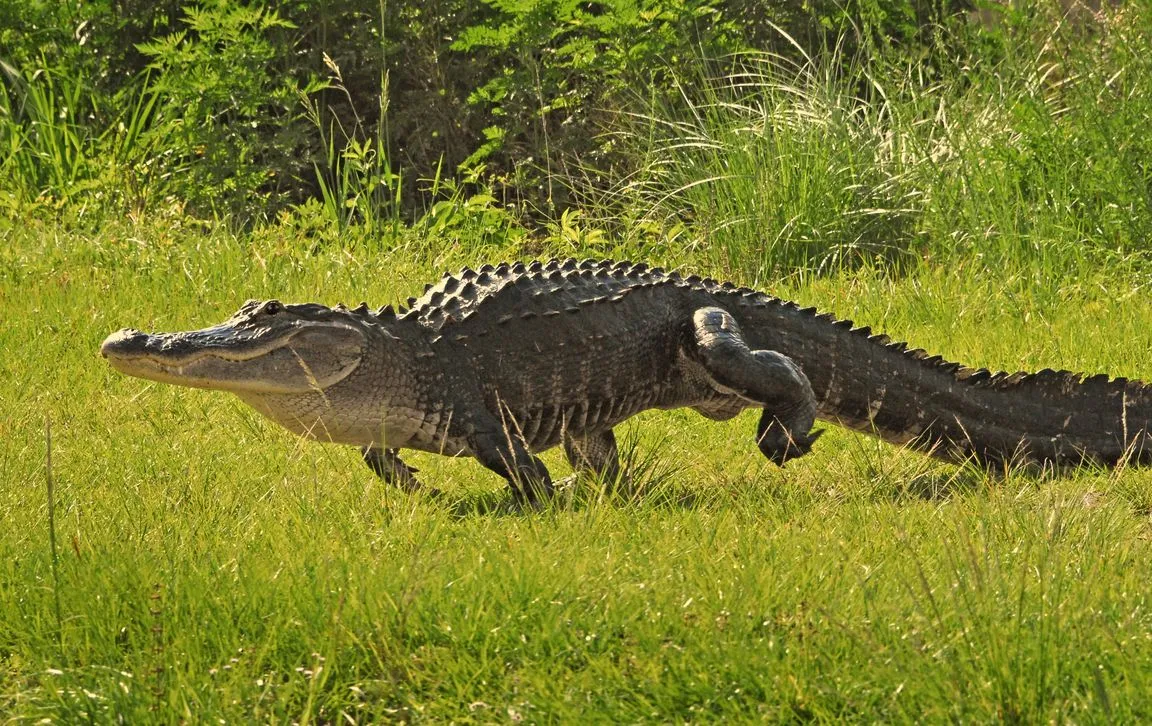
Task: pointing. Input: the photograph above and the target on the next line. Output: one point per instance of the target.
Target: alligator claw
(781, 447)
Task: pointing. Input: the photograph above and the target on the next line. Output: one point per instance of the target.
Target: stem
(52, 533)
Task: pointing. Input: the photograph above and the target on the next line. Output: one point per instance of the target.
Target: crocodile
(505, 361)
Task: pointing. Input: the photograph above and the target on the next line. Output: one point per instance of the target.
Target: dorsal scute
(542, 288)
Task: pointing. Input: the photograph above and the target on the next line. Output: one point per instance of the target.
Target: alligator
(505, 361)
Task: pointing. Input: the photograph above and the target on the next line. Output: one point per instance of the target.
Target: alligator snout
(122, 342)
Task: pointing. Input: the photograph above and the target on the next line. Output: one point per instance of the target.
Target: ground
(210, 565)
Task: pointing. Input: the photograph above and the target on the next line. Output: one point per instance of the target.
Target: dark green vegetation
(981, 190)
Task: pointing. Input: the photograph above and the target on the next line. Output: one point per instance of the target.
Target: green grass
(989, 202)
(213, 566)
(1023, 147)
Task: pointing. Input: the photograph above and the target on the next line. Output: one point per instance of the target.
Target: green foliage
(561, 69)
(394, 85)
(774, 168)
(1031, 149)
(46, 145)
(55, 157)
(227, 119)
(917, 133)
(233, 122)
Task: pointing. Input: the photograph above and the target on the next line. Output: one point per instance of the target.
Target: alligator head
(265, 348)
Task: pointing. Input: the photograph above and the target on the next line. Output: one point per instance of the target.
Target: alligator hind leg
(389, 467)
(595, 453)
(763, 377)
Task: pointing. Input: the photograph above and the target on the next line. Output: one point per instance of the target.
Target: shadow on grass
(940, 486)
(647, 480)
(908, 474)
(938, 482)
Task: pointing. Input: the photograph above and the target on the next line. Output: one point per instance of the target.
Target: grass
(213, 566)
(177, 558)
(1021, 147)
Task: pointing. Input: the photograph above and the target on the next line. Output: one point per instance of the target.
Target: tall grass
(68, 148)
(1027, 144)
(47, 145)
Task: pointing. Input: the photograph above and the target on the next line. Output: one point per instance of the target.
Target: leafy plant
(228, 119)
(560, 68)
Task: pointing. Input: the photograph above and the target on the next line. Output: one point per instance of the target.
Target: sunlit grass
(214, 566)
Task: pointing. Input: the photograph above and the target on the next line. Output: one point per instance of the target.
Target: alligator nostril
(116, 341)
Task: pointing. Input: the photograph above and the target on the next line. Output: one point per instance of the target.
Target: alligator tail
(869, 383)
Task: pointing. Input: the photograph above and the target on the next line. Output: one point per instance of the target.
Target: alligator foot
(762, 377)
(777, 444)
(390, 468)
(506, 455)
(595, 454)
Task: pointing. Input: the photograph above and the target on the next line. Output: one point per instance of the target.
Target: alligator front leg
(506, 454)
(389, 467)
(764, 377)
(594, 453)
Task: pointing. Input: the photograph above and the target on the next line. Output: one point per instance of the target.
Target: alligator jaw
(307, 358)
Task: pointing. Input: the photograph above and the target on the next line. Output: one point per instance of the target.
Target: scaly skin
(504, 362)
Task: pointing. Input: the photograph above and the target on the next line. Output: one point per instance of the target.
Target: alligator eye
(272, 307)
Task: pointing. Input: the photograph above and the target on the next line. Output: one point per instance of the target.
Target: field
(211, 565)
(168, 556)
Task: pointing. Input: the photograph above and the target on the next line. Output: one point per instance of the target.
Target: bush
(217, 105)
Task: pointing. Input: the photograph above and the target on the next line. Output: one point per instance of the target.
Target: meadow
(166, 555)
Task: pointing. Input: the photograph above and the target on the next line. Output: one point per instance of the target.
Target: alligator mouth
(215, 358)
(176, 350)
